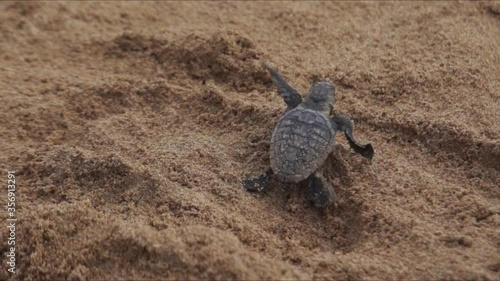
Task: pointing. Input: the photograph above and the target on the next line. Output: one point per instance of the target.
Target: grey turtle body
(303, 139)
(301, 142)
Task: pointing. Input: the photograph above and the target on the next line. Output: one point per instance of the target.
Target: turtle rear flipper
(345, 125)
(260, 183)
(321, 192)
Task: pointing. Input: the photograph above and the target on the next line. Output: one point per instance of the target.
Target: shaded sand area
(131, 125)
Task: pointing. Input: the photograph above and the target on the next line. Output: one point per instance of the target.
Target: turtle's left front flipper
(345, 125)
(291, 97)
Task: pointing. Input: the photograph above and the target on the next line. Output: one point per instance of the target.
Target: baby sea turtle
(303, 139)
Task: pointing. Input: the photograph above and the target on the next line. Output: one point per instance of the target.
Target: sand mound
(112, 244)
(227, 58)
(131, 125)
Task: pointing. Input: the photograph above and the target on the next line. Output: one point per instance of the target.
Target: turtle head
(321, 96)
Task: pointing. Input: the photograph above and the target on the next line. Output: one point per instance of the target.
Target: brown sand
(131, 125)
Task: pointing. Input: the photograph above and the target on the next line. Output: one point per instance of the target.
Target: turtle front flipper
(260, 183)
(345, 125)
(321, 192)
(290, 95)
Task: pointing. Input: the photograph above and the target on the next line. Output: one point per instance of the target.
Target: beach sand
(130, 127)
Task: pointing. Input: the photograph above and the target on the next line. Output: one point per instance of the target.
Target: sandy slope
(131, 126)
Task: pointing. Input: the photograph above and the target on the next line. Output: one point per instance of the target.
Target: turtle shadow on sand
(303, 140)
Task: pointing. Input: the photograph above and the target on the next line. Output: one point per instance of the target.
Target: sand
(130, 127)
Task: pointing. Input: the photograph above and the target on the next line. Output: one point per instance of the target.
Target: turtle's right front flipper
(290, 95)
(345, 125)
(260, 183)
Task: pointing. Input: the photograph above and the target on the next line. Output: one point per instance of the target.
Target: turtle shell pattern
(301, 142)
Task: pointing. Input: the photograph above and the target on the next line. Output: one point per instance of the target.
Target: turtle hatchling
(303, 139)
